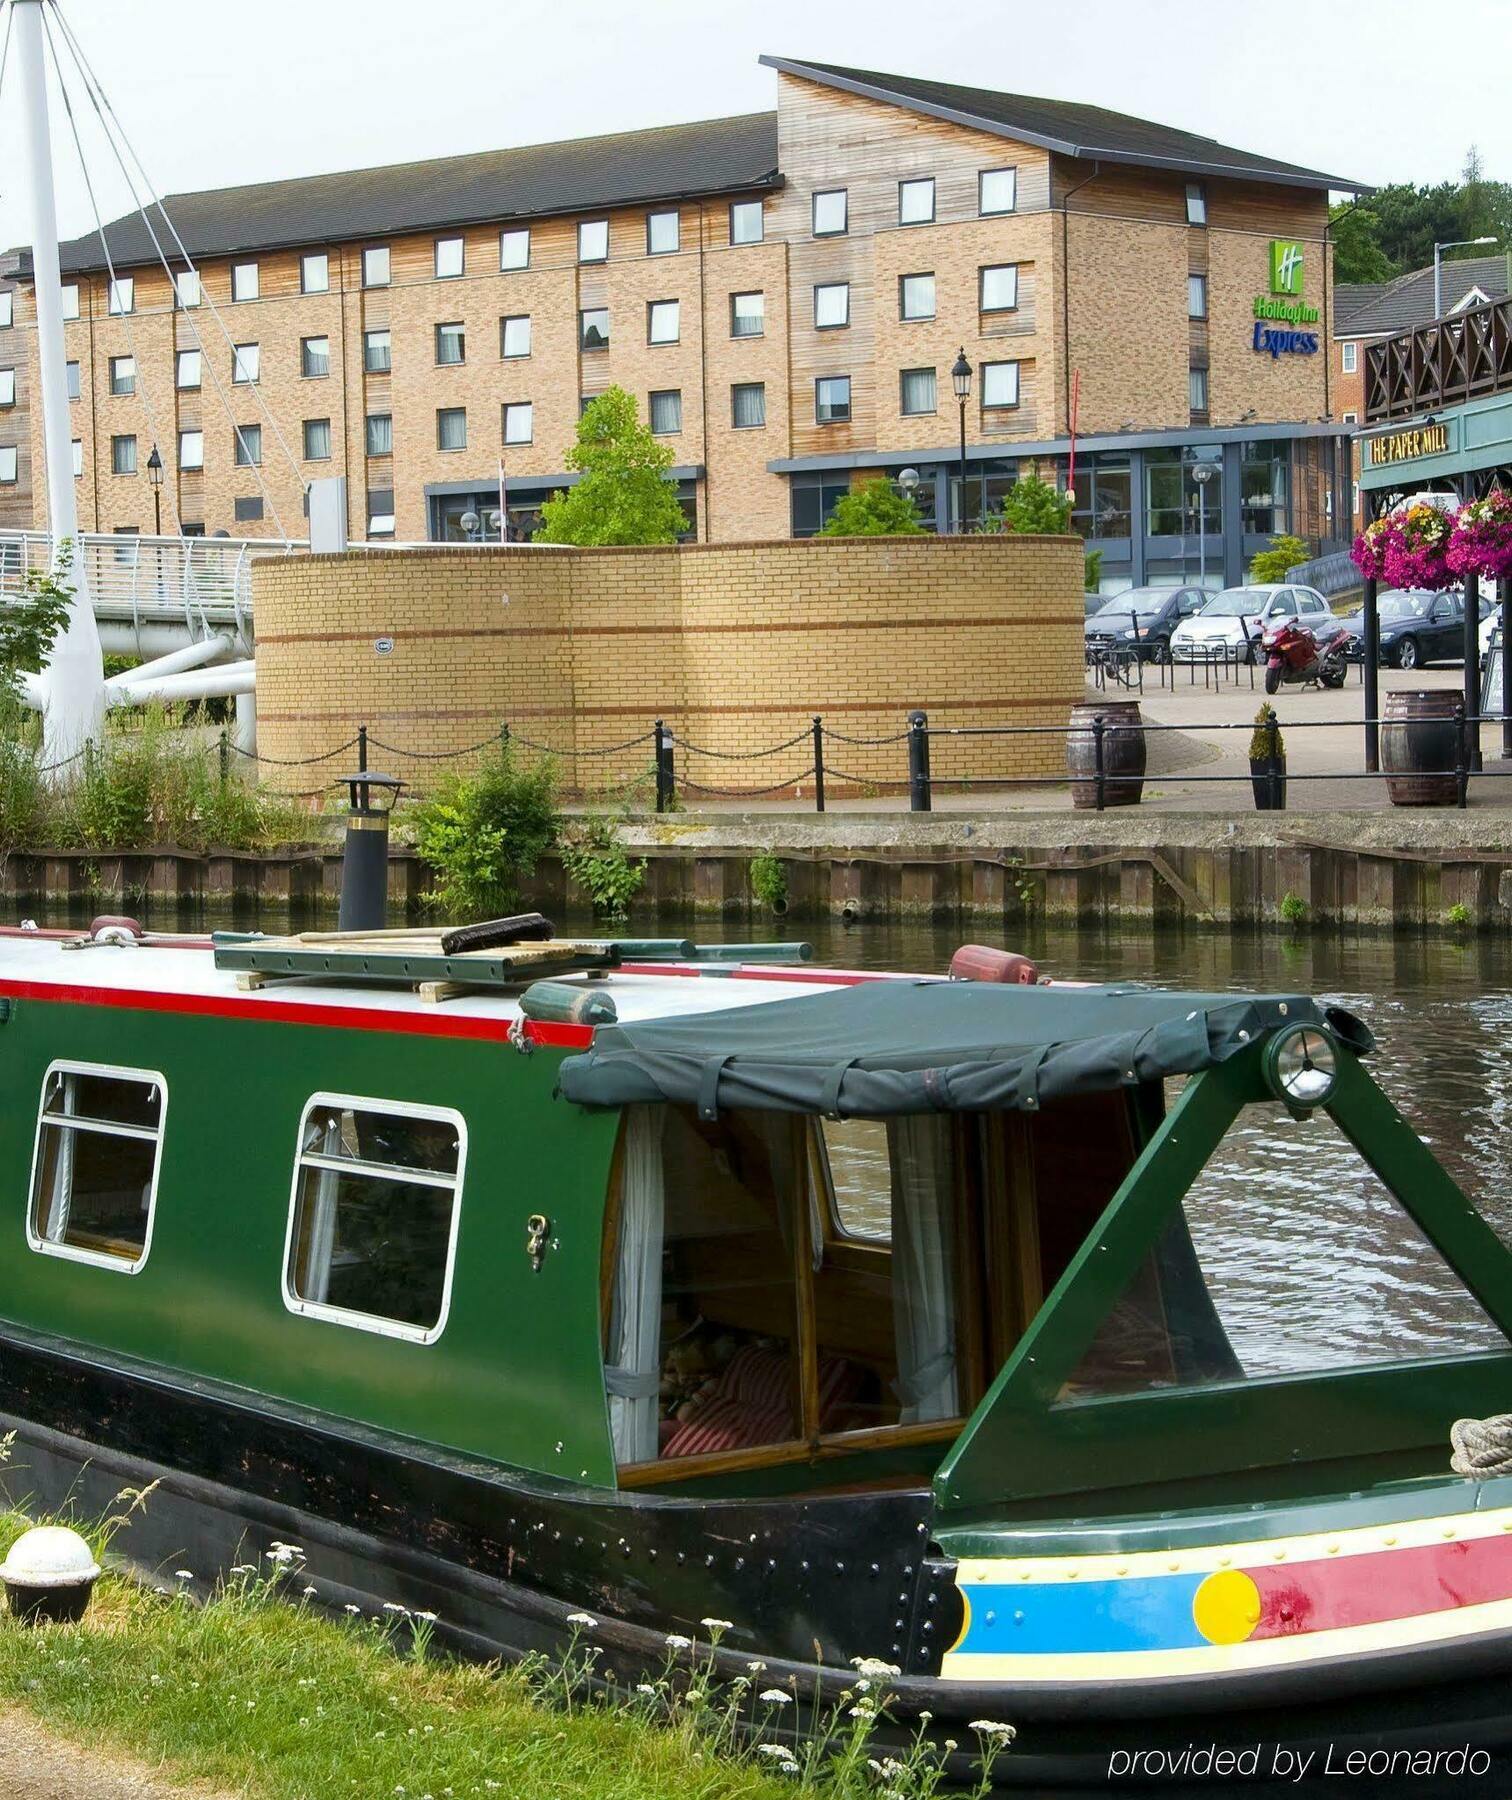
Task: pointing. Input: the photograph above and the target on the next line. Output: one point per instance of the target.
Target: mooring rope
(1482, 1447)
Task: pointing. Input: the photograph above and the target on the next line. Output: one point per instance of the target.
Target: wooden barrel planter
(1421, 742)
(1123, 753)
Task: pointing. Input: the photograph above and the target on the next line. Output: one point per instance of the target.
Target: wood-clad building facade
(784, 295)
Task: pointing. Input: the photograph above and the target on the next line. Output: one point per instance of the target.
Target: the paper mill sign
(1403, 446)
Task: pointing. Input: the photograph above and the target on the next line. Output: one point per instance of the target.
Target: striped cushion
(754, 1403)
(729, 1425)
(758, 1377)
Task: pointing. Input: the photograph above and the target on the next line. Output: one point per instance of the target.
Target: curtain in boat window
(60, 1200)
(633, 1373)
(322, 1134)
(921, 1148)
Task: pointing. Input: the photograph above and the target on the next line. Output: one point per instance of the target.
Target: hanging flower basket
(1369, 551)
(1481, 541)
(1417, 549)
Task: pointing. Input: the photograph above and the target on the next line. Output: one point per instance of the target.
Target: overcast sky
(218, 92)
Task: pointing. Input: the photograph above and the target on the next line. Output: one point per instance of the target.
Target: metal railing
(1441, 364)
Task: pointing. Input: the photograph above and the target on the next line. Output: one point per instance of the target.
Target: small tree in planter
(1267, 760)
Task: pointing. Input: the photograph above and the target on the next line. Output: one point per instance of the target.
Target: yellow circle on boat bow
(1226, 1608)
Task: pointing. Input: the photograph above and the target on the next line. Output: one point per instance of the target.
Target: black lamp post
(960, 376)
(155, 478)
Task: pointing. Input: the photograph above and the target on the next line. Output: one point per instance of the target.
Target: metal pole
(1472, 669)
(1438, 281)
(1371, 626)
(961, 511)
(1504, 595)
(73, 681)
(1098, 765)
(818, 763)
(1202, 535)
(919, 798)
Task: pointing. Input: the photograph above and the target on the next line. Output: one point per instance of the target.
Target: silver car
(1239, 617)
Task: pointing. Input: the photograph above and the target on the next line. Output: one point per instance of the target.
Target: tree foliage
(625, 495)
(1396, 228)
(31, 621)
(1033, 508)
(875, 510)
(1271, 564)
(481, 834)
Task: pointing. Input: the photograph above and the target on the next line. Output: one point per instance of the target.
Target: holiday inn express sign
(1284, 305)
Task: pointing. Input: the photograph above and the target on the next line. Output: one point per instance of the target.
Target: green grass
(278, 1701)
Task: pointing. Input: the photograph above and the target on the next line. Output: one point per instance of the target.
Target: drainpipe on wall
(1066, 286)
(703, 371)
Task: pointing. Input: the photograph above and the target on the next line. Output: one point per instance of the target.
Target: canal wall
(992, 871)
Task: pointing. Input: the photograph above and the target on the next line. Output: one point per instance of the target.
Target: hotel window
(1264, 486)
(748, 405)
(123, 294)
(813, 500)
(317, 440)
(1351, 357)
(593, 328)
(123, 375)
(916, 296)
(246, 282)
(916, 201)
(246, 364)
(999, 287)
(7, 309)
(451, 428)
(663, 321)
(246, 446)
(78, 458)
(662, 233)
(380, 511)
(377, 352)
(7, 387)
(370, 1175)
(997, 191)
(380, 434)
(747, 315)
(1000, 384)
(666, 412)
(95, 1168)
(123, 456)
(830, 213)
(71, 374)
(514, 249)
(746, 222)
(1351, 418)
(315, 273)
(917, 391)
(832, 399)
(248, 509)
(514, 335)
(1197, 390)
(70, 295)
(187, 369)
(519, 422)
(1196, 296)
(831, 305)
(375, 266)
(186, 289)
(191, 449)
(593, 240)
(451, 344)
(9, 465)
(451, 258)
(1196, 203)
(315, 356)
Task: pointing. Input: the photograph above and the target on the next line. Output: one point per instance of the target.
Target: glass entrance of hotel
(471, 516)
(934, 488)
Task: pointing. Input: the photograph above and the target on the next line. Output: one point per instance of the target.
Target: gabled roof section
(670, 162)
(1407, 301)
(1065, 126)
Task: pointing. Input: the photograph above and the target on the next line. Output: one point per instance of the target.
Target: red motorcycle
(1294, 659)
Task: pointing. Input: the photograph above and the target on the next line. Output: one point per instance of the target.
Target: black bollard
(1371, 674)
(919, 799)
(364, 855)
(1504, 596)
(1472, 670)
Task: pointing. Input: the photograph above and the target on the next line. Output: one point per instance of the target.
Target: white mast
(73, 682)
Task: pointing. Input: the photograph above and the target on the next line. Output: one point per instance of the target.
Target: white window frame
(306, 374)
(652, 219)
(186, 289)
(653, 307)
(1018, 385)
(122, 294)
(7, 387)
(1197, 290)
(1350, 357)
(239, 276)
(904, 315)
(592, 225)
(1351, 418)
(7, 309)
(656, 394)
(1196, 203)
(371, 252)
(239, 365)
(73, 380)
(69, 293)
(515, 406)
(1011, 270)
(181, 385)
(915, 183)
(323, 286)
(339, 1315)
(505, 353)
(843, 227)
(747, 294)
(453, 246)
(997, 212)
(832, 287)
(737, 206)
(78, 458)
(10, 458)
(191, 467)
(515, 231)
(97, 1259)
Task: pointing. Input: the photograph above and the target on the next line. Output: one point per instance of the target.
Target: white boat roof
(170, 968)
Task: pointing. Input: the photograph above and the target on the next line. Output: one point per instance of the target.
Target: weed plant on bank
(248, 1686)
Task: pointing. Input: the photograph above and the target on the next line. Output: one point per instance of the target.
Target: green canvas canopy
(886, 1047)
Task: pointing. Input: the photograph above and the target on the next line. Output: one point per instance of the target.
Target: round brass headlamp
(1302, 1066)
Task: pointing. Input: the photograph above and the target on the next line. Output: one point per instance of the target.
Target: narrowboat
(884, 1317)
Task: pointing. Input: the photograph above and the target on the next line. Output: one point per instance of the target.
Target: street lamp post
(155, 480)
(960, 375)
(1202, 474)
(1438, 266)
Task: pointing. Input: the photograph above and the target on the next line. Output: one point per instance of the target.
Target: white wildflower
(788, 1768)
(645, 1687)
(244, 1568)
(676, 1641)
(864, 1711)
(586, 1620)
(307, 1591)
(349, 1607)
(773, 1750)
(992, 1728)
(184, 1574)
(429, 1617)
(774, 1697)
(862, 1685)
(716, 1624)
(757, 1668)
(873, 1668)
(393, 1606)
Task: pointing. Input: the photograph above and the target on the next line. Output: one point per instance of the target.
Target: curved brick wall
(736, 646)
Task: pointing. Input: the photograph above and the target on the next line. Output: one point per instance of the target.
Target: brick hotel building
(784, 294)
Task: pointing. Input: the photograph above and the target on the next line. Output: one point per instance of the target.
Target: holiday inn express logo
(1285, 267)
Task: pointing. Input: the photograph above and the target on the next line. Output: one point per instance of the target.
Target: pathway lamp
(155, 481)
(1202, 474)
(960, 378)
(469, 524)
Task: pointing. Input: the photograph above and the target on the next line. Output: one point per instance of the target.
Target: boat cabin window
(373, 1221)
(95, 1168)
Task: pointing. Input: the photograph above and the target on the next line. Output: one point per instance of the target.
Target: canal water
(1311, 1262)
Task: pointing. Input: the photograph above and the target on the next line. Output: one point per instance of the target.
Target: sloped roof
(1399, 305)
(631, 167)
(1065, 126)
(1351, 297)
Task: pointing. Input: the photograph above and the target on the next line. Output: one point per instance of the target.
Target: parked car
(1093, 603)
(1142, 620)
(1243, 615)
(1417, 626)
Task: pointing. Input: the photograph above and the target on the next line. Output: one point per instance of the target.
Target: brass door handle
(537, 1230)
